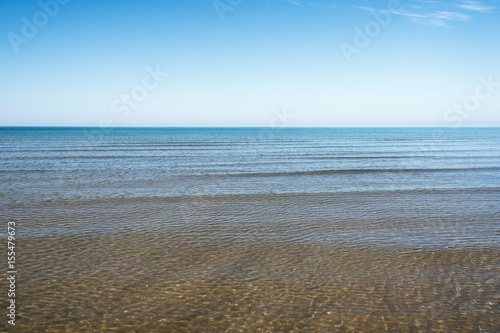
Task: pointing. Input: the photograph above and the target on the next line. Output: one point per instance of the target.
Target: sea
(252, 229)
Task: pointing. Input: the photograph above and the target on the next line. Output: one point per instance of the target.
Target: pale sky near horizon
(250, 63)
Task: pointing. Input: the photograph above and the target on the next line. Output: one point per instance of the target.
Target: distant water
(254, 229)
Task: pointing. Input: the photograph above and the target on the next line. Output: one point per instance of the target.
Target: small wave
(354, 171)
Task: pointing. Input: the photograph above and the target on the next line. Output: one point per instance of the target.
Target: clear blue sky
(241, 63)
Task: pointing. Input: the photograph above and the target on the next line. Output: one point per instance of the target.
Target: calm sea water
(254, 230)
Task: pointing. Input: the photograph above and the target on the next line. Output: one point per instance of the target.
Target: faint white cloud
(296, 2)
(316, 3)
(438, 13)
(477, 6)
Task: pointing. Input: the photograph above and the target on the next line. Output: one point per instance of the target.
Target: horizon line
(269, 127)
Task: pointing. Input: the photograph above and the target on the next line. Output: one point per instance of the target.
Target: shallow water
(254, 230)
